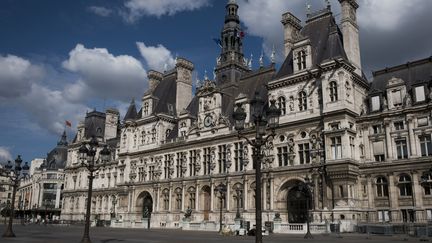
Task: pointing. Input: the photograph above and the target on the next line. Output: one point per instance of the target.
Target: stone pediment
(394, 82)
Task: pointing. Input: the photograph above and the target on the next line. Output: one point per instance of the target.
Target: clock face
(208, 120)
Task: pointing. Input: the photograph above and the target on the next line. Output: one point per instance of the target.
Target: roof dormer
(396, 93)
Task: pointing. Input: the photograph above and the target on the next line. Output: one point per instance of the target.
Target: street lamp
(263, 116)
(87, 156)
(221, 191)
(14, 174)
(303, 187)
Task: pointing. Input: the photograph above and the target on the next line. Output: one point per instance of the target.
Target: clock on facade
(208, 121)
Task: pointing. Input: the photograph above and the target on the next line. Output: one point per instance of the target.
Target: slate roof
(94, 124)
(325, 38)
(56, 158)
(131, 113)
(411, 73)
(165, 93)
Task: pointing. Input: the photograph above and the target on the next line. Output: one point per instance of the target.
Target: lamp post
(221, 191)
(306, 186)
(14, 174)
(262, 117)
(87, 155)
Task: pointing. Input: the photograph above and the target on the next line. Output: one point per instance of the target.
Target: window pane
(420, 94)
(397, 97)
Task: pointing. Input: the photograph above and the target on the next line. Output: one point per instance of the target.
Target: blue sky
(59, 59)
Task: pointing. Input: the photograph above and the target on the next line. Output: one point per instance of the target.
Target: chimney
(154, 78)
(184, 70)
(350, 32)
(292, 27)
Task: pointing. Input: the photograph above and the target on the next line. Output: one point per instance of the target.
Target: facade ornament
(261, 60)
(228, 156)
(232, 56)
(291, 103)
(273, 55)
(385, 104)
(245, 154)
(408, 100)
(212, 158)
(430, 96)
(198, 161)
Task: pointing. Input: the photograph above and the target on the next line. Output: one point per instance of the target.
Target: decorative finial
(250, 62)
(328, 3)
(175, 59)
(308, 8)
(261, 59)
(197, 81)
(214, 73)
(165, 67)
(273, 55)
(205, 75)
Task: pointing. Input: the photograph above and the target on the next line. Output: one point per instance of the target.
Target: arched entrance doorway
(145, 204)
(206, 201)
(298, 204)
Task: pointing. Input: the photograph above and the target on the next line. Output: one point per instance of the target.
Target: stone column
(245, 194)
(170, 197)
(271, 192)
(58, 192)
(411, 141)
(183, 198)
(228, 195)
(264, 193)
(316, 192)
(417, 197)
(389, 141)
(371, 197)
(211, 196)
(158, 198)
(393, 197)
(197, 197)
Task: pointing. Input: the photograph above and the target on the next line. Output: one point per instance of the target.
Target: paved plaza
(65, 234)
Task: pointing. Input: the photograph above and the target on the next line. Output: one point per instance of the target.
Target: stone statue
(385, 104)
(408, 100)
(146, 213)
(188, 213)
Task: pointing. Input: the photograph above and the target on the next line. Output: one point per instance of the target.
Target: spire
(63, 139)
(273, 55)
(131, 113)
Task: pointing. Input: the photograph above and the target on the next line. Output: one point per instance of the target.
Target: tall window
(302, 99)
(382, 187)
(377, 129)
(153, 135)
(206, 160)
(304, 153)
(282, 105)
(192, 162)
(191, 192)
(352, 146)
(141, 174)
(405, 188)
(282, 155)
(427, 185)
(401, 148)
(375, 103)
(399, 125)
(151, 172)
(143, 137)
(222, 156)
(146, 108)
(165, 197)
(238, 156)
(420, 94)
(179, 165)
(426, 145)
(178, 193)
(336, 147)
(333, 91)
(166, 166)
(378, 150)
(397, 98)
(301, 60)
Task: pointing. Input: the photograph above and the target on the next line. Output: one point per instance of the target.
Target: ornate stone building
(40, 193)
(364, 145)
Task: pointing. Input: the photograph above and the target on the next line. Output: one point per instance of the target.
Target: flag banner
(68, 123)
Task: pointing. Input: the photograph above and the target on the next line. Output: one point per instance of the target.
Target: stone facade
(364, 147)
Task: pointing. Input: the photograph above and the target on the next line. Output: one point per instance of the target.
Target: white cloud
(5, 154)
(49, 109)
(16, 76)
(156, 57)
(104, 75)
(101, 11)
(387, 15)
(139, 8)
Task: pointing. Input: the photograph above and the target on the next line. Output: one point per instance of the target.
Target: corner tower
(350, 31)
(231, 62)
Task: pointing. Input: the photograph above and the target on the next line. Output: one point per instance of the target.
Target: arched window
(333, 91)
(405, 188)
(178, 193)
(302, 101)
(282, 105)
(382, 187)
